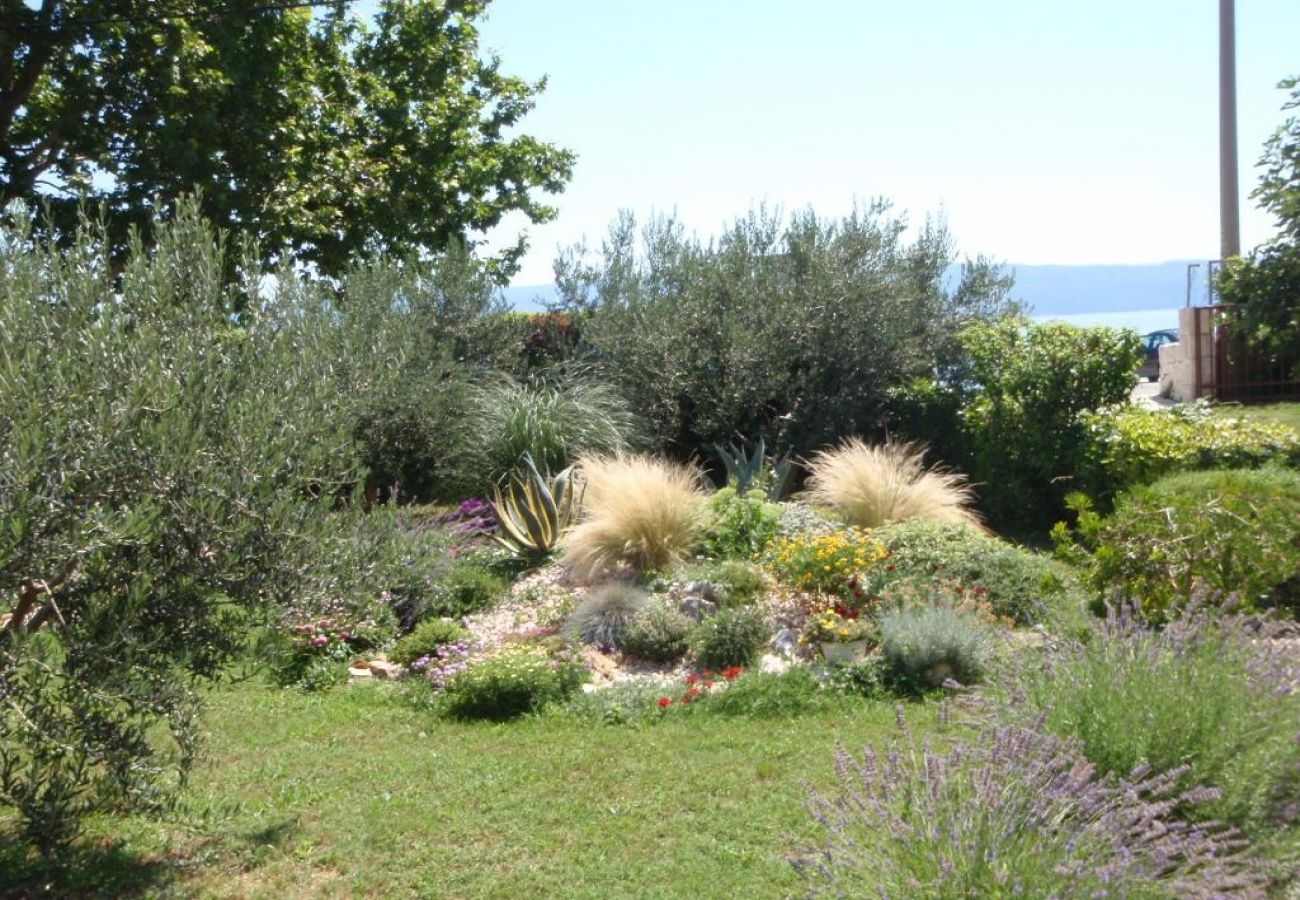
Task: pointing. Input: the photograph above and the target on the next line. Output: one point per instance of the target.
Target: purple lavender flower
(1016, 811)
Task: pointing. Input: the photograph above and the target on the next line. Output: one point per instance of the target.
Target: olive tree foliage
(793, 329)
(170, 446)
(1265, 288)
(320, 135)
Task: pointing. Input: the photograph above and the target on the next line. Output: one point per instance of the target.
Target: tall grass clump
(871, 485)
(1014, 813)
(1214, 694)
(640, 511)
(554, 418)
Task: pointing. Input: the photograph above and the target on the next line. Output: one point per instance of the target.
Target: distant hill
(1049, 290)
(1070, 290)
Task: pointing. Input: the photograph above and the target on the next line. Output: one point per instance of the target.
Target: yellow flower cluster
(824, 562)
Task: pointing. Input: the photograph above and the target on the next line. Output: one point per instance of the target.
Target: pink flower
(319, 641)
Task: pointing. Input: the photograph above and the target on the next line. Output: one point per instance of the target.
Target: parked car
(1150, 368)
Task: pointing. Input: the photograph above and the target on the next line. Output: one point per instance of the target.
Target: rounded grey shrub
(604, 616)
(660, 633)
(927, 645)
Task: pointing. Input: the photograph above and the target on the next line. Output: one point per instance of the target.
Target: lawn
(1283, 413)
(358, 793)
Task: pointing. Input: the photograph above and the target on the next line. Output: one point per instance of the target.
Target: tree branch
(15, 94)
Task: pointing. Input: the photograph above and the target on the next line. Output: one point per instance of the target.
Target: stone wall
(1177, 360)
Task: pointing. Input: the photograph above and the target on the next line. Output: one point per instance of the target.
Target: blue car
(1150, 368)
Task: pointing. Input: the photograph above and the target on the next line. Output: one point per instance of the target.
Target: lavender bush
(1218, 694)
(1016, 812)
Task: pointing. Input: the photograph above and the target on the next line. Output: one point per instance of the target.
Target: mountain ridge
(1048, 289)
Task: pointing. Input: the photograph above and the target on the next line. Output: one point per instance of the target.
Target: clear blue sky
(1046, 131)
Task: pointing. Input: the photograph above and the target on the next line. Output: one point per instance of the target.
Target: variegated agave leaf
(533, 511)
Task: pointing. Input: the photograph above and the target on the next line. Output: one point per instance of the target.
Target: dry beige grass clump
(870, 485)
(642, 511)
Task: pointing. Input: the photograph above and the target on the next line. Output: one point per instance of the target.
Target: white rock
(773, 665)
(356, 672)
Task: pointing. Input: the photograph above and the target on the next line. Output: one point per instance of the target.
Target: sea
(1143, 321)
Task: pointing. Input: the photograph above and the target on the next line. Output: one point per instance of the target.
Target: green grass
(1283, 413)
(356, 793)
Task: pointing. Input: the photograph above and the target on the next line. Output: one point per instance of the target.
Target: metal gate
(1227, 368)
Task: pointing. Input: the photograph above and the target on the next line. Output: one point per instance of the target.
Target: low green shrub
(518, 679)
(605, 614)
(925, 646)
(732, 637)
(1130, 445)
(659, 633)
(468, 588)
(1017, 583)
(765, 695)
(739, 525)
(427, 637)
(633, 702)
(869, 678)
(1207, 691)
(1234, 531)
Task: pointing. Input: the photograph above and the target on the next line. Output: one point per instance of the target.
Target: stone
(773, 665)
(600, 665)
(359, 672)
(697, 607)
(786, 643)
(385, 670)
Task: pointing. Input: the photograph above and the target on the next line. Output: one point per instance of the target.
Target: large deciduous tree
(1265, 289)
(317, 133)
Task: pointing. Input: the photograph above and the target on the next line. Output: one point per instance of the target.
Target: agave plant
(751, 470)
(533, 511)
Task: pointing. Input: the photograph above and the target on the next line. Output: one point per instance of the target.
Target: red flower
(665, 702)
(708, 673)
(691, 679)
(732, 673)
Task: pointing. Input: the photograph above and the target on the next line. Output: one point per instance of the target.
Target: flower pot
(844, 653)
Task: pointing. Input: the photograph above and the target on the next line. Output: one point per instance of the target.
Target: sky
(1045, 131)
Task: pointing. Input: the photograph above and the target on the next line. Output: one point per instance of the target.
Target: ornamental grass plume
(641, 511)
(1016, 812)
(871, 485)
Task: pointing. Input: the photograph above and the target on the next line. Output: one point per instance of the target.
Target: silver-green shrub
(924, 646)
(659, 633)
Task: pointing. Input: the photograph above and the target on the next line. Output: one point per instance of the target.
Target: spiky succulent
(532, 512)
(752, 470)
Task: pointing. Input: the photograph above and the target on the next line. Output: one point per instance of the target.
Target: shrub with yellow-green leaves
(1136, 446)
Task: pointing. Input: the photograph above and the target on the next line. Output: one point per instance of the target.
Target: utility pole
(1229, 212)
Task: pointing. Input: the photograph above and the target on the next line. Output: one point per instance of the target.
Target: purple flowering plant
(473, 517)
(319, 649)
(1219, 694)
(1015, 812)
